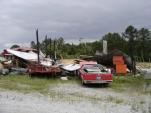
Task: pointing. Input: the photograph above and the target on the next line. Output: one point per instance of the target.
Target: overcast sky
(71, 19)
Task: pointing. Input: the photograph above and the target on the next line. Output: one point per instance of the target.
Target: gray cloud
(70, 19)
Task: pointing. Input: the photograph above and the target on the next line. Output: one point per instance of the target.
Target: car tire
(106, 84)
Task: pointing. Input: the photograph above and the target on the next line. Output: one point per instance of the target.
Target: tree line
(134, 42)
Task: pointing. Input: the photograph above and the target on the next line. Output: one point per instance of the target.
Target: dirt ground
(74, 98)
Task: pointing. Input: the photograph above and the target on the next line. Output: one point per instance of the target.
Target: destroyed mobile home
(27, 60)
(23, 60)
(89, 69)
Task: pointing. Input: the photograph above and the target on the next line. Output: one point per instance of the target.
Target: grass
(115, 100)
(26, 84)
(128, 82)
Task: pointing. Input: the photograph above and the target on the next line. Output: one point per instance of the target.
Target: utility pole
(37, 45)
(55, 50)
(50, 53)
(46, 46)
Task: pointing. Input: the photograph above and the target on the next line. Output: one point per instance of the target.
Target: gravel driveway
(73, 98)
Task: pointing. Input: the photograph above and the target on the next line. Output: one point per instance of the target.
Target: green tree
(14, 46)
(115, 41)
(33, 45)
(60, 43)
(96, 46)
(143, 38)
(131, 34)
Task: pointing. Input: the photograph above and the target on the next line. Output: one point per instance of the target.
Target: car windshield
(93, 68)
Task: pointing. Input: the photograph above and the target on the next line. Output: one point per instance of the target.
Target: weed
(142, 102)
(118, 101)
(114, 99)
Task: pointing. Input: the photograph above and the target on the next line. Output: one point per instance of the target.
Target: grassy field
(130, 83)
(25, 84)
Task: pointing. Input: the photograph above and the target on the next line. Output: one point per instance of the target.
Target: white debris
(71, 67)
(64, 78)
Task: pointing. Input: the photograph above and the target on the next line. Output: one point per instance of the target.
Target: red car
(94, 73)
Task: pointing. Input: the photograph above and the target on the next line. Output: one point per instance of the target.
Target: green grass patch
(114, 99)
(129, 82)
(25, 83)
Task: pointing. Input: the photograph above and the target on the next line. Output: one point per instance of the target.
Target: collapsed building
(27, 58)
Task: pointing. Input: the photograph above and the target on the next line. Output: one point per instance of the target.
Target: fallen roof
(24, 49)
(31, 56)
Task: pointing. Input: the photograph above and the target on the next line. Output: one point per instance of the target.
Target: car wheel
(106, 84)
